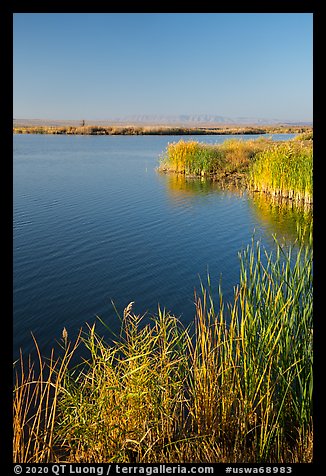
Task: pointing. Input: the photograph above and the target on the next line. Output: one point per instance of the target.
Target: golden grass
(196, 158)
(37, 393)
(285, 170)
(278, 168)
(136, 129)
(235, 388)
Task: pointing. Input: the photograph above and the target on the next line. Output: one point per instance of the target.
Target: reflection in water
(281, 216)
(278, 215)
(178, 185)
(181, 186)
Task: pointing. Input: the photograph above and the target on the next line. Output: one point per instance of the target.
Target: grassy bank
(284, 170)
(154, 130)
(196, 158)
(279, 168)
(237, 387)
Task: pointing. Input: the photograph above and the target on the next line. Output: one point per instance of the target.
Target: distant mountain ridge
(201, 118)
(164, 119)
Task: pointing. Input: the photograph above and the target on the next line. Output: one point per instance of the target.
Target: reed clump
(236, 387)
(284, 170)
(196, 158)
(38, 388)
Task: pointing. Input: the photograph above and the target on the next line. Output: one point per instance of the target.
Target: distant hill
(200, 118)
(160, 119)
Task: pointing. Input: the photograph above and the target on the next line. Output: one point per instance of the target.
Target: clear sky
(100, 66)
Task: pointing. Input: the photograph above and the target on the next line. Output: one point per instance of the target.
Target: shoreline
(173, 388)
(158, 130)
(237, 181)
(278, 169)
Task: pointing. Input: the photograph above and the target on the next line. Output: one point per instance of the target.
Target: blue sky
(100, 66)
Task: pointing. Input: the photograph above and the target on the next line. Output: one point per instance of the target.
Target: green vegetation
(284, 170)
(235, 388)
(278, 168)
(196, 158)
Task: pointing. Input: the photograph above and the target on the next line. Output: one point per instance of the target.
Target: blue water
(95, 222)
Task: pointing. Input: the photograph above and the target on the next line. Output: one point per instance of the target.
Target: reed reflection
(180, 186)
(279, 215)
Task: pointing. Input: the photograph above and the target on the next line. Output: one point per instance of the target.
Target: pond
(94, 223)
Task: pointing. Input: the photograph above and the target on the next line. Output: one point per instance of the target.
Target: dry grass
(37, 393)
(136, 129)
(235, 388)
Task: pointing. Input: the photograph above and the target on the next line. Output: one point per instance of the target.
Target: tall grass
(284, 170)
(281, 169)
(235, 388)
(38, 388)
(195, 158)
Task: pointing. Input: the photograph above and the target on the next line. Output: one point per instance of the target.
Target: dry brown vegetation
(156, 130)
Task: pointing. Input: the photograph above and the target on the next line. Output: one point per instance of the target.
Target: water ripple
(93, 222)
